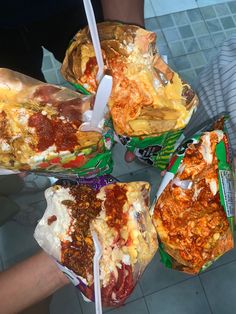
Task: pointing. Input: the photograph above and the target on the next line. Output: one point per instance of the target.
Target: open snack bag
(119, 215)
(150, 104)
(40, 129)
(194, 210)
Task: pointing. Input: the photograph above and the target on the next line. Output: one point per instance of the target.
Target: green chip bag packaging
(149, 104)
(156, 150)
(40, 130)
(194, 208)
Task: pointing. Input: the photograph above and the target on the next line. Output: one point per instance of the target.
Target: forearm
(127, 11)
(29, 282)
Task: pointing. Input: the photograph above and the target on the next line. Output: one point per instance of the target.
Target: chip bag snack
(40, 129)
(118, 213)
(149, 103)
(194, 210)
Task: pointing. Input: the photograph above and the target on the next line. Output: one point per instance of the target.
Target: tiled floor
(190, 33)
(191, 38)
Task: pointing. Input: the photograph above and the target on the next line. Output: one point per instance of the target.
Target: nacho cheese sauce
(142, 82)
(40, 129)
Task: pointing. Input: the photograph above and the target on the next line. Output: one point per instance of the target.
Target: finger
(129, 156)
(22, 174)
(163, 173)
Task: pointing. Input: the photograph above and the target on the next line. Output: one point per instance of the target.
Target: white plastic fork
(96, 273)
(101, 99)
(95, 39)
(104, 81)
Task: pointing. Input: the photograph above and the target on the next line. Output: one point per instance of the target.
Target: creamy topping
(213, 186)
(205, 148)
(4, 146)
(196, 192)
(126, 259)
(49, 236)
(120, 246)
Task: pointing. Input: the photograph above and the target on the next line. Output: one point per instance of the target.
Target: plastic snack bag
(149, 104)
(40, 129)
(118, 214)
(194, 210)
(96, 183)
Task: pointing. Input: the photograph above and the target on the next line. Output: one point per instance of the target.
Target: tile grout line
(182, 39)
(77, 297)
(175, 284)
(159, 25)
(203, 288)
(141, 288)
(207, 24)
(217, 267)
(224, 31)
(184, 279)
(113, 309)
(145, 301)
(231, 14)
(203, 51)
(153, 8)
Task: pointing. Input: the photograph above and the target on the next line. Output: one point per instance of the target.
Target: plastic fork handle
(95, 38)
(96, 273)
(101, 100)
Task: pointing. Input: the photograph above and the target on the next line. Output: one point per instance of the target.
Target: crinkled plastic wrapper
(40, 129)
(155, 151)
(150, 103)
(119, 214)
(194, 209)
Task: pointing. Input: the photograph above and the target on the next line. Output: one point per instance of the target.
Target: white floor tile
(184, 298)
(204, 3)
(148, 9)
(219, 286)
(157, 277)
(158, 8)
(172, 6)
